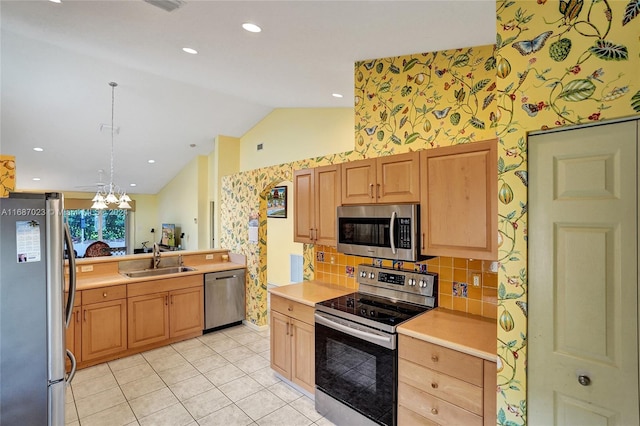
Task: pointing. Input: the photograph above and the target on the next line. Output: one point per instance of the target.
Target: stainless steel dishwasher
(224, 298)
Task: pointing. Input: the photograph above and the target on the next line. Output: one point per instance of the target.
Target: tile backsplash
(464, 285)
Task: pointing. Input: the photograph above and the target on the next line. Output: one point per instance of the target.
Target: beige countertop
(310, 292)
(88, 283)
(104, 271)
(470, 334)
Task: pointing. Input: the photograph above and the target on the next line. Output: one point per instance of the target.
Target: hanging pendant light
(111, 194)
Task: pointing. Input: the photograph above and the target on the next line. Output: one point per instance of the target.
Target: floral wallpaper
(558, 63)
(405, 103)
(555, 63)
(7, 174)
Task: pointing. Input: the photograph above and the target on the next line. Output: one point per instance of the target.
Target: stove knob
(363, 274)
(372, 313)
(372, 275)
(422, 284)
(412, 281)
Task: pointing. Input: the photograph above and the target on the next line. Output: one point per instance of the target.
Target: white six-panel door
(583, 277)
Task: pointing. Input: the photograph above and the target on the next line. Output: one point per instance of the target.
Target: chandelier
(111, 194)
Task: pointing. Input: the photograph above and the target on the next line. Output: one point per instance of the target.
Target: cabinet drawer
(166, 284)
(458, 392)
(435, 409)
(408, 417)
(453, 363)
(104, 294)
(292, 309)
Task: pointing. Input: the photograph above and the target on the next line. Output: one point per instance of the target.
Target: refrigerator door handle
(72, 373)
(72, 276)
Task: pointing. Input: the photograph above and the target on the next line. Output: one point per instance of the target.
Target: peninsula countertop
(310, 292)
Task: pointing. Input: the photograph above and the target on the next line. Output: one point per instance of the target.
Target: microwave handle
(392, 232)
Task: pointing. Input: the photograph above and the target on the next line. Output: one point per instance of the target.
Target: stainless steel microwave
(386, 231)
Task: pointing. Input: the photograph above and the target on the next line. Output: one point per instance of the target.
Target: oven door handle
(384, 341)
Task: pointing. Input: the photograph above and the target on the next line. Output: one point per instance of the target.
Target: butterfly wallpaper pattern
(425, 100)
(558, 62)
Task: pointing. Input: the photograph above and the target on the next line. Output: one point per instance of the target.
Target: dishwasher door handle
(226, 277)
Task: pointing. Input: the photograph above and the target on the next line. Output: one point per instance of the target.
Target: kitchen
(512, 272)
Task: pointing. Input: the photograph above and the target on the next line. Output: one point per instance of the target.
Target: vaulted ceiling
(57, 59)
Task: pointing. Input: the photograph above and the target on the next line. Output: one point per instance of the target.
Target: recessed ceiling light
(38, 149)
(36, 178)
(190, 50)
(55, 1)
(151, 161)
(132, 184)
(252, 28)
(336, 95)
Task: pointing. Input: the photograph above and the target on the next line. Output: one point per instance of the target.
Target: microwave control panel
(404, 233)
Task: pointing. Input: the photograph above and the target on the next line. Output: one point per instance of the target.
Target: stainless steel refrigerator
(33, 311)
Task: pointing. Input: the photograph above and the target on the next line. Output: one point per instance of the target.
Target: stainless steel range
(356, 340)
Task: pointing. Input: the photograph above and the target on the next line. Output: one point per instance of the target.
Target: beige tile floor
(220, 378)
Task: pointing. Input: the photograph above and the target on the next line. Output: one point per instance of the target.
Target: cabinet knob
(434, 358)
(434, 411)
(290, 308)
(434, 385)
(104, 294)
(584, 380)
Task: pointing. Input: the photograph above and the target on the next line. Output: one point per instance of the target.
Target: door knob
(584, 380)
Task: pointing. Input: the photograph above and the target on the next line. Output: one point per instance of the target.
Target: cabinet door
(490, 393)
(186, 311)
(398, 178)
(280, 344)
(303, 354)
(148, 319)
(104, 329)
(327, 199)
(303, 206)
(73, 336)
(459, 212)
(359, 182)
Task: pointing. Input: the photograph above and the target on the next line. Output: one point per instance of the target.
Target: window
(88, 226)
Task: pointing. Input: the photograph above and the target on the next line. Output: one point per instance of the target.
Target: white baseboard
(255, 327)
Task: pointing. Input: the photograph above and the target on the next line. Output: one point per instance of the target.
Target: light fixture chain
(113, 85)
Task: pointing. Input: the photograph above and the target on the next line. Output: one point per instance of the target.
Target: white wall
(290, 134)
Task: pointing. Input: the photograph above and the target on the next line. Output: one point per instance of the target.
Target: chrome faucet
(156, 255)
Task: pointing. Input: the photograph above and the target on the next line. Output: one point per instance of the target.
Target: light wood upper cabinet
(316, 196)
(390, 179)
(459, 211)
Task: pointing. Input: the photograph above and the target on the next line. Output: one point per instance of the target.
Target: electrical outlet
(333, 260)
(476, 279)
(86, 268)
(209, 257)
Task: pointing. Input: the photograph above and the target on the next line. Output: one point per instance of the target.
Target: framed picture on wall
(277, 202)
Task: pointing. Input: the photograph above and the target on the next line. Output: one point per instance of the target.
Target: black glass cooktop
(382, 310)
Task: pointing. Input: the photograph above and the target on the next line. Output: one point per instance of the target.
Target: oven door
(356, 366)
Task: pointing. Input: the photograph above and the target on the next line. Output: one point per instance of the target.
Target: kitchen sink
(158, 271)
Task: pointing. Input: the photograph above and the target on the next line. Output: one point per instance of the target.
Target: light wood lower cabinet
(104, 326)
(293, 342)
(437, 385)
(115, 321)
(148, 319)
(73, 334)
(156, 316)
